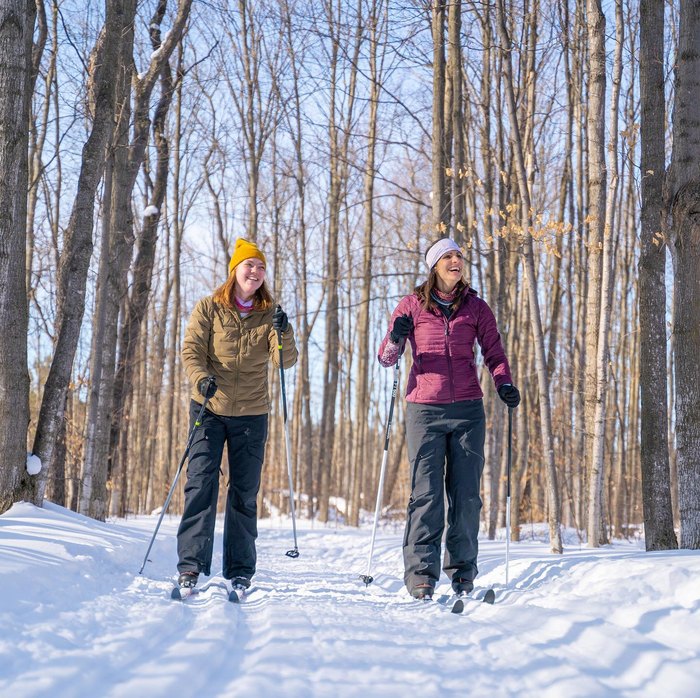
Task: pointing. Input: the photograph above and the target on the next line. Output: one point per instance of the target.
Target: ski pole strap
(394, 391)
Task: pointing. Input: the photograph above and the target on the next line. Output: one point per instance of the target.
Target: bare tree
(137, 302)
(531, 281)
(683, 192)
(17, 19)
(125, 158)
(377, 27)
(340, 118)
(595, 124)
(77, 244)
(257, 107)
(439, 161)
(656, 485)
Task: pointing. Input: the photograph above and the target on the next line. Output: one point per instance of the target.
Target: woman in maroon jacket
(442, 319)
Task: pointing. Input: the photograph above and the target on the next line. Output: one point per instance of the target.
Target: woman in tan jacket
(230, 338)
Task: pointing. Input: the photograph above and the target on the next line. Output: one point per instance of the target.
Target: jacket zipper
(449, 359)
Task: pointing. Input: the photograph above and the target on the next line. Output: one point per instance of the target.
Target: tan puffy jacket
(219, 342)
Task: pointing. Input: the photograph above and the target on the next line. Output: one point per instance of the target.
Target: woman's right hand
(207, 387)
(402, 328)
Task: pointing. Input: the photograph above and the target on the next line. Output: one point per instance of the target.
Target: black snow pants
(446, 455)
(245, 439)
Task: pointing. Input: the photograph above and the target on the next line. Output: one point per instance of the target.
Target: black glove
(280, 321)
(207, 387)
(401, 329)
(509, 394)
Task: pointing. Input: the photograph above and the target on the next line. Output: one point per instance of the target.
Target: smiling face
(250, 274)
(449, 270)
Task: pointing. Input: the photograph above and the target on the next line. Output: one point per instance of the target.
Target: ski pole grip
(279, 334)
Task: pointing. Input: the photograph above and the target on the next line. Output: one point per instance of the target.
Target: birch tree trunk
(656, 486)
(595, 124)
(596, 531)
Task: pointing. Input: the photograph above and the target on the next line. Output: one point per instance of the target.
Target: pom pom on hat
(244, 249)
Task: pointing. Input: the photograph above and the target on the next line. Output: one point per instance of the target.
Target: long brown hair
(424, 291)
(225, 294)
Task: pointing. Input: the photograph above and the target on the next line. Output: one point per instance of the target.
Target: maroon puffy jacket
(444, 367)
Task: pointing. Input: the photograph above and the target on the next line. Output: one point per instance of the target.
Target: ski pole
(197, 423)
(510, 448)
(368, 578)
(295, 551)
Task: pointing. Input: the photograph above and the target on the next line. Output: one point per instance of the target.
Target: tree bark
(683, 191)
(136, 304)
(364, 353)
(656, 485)
(553, 513)
(596, 499)
(339, 137)
(77, 247)
(441, 218)
(17, 19)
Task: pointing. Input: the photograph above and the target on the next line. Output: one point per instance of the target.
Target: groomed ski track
(79, 620)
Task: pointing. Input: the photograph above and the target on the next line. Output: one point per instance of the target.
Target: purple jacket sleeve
(491, 347)
(388, 351)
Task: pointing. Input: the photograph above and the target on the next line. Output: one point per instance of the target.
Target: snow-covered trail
(77, 619)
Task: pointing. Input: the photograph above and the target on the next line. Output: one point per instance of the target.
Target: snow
(33, 464)
(151, 211)
(77, 619)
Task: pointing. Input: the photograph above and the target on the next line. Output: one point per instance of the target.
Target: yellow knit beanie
(244, 250)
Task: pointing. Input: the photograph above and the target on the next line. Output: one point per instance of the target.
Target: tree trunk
(656, 485)
(684, 201)
(77, 246)
(338, 177)
(458, 205)
(595, 123)
(364, 353)
(137, 301)
(302, 393)
(553, 512)
(596, 498)
(441, 219)
(16, 30)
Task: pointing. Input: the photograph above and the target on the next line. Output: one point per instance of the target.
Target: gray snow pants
(245, 438)
(446, 456)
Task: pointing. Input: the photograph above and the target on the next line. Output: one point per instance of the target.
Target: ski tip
(182, 593)
(489, 596)
(458, 606)
(233, 597)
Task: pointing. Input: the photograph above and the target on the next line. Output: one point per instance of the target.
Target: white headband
(440, 248)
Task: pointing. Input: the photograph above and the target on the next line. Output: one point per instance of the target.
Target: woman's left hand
(280, 321)
(510, 395)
